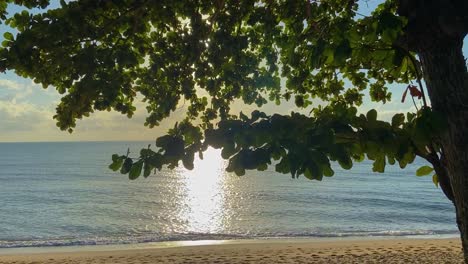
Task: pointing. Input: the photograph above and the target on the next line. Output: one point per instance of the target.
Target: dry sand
(263, 251)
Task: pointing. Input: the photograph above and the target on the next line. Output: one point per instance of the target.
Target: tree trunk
(446, 77)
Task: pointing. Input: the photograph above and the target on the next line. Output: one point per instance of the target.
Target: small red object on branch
(414, 92)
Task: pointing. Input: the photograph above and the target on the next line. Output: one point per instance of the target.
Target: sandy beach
(259, 251)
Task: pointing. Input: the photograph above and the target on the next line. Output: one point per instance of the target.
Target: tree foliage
(206, 54)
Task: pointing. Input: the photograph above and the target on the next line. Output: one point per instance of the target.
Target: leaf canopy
(205, 55)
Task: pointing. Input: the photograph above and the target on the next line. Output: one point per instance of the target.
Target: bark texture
(445, 74)
(435, 31)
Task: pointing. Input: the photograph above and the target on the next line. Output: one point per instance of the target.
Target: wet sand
(258, 251)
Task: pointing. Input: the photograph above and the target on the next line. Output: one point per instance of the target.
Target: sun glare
(204, 193)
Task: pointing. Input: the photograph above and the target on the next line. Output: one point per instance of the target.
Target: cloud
(21, 117)
(10, 85)
(14, 90)
(27, 110)
(23, 120)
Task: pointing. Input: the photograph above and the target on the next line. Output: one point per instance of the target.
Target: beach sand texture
(340, 251)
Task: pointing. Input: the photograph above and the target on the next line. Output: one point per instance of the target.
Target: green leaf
(164, 141)
(424, 170)
(397, 120)
(313, 171)
(328, 171)
(345, 161)
(262, 167)
(214, 138)
(135, 171)
(379, 164)
(283, 166)
(398, 57)
(115, 157)
(322, 138)
(371, 115)
(117, 162)
(342, 52)
(147, 169)
(239, 171)
(175, 147)
(299, 101)
(8, 36)
(328, 54)
(243, 117)
(187, 161)
(228, 150)
(127, 165)
(257, 114)
(435, 180)
(155, 161)
(308, 174)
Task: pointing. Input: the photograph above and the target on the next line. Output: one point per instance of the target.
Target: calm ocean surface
(54, 194)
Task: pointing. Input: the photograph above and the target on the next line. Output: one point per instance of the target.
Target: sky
(26, 111)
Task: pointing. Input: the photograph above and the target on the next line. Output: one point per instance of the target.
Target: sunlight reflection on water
(204, 197)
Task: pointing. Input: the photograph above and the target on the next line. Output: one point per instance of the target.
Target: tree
(101, 54)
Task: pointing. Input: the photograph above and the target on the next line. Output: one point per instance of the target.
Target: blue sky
(26, 111)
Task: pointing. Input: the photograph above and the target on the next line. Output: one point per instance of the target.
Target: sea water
(58, 194)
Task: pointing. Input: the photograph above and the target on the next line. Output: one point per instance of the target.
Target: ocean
(63, 194)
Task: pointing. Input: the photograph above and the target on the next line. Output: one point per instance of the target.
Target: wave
(119, 240)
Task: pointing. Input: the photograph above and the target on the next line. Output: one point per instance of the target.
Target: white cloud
(10, 85)
(13, 90)
(26, 121)
(14, 110)
(21, 117)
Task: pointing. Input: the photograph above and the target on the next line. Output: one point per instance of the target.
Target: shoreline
(293, 250)
(209, 242)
